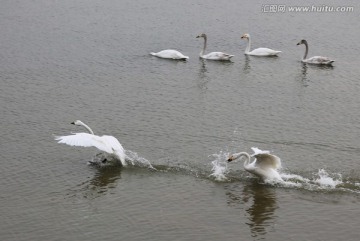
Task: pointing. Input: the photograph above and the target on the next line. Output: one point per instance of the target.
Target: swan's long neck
(247, 50)
(87, 127)
(204, 48)
(245, 154)
(306, 49)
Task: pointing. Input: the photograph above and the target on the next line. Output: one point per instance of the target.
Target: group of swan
(264, 166)
(174, 54)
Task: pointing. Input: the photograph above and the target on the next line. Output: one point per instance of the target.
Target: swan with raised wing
(108, 144)
(264, 166)
(319, 60)
(213, 55)
(258, 51)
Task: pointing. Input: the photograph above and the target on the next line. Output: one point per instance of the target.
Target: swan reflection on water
(303, 75)
(260, 205)
(247, 67)
(105, 179)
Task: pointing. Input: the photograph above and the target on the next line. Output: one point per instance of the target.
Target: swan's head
(246, 36)
(201, 36)
(234, 157)
(77, 123)
(303, 41)
(231, 158)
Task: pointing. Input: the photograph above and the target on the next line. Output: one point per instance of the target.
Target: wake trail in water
(103, 159)
(321, 179)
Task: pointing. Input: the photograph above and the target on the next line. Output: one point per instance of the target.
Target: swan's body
(320, 60)
(108, 144)
(264, 166)
(258, 51)
(170, 54)
(213, 55)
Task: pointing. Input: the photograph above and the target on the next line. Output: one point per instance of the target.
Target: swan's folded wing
(320, 60)
(265, 160)
(85, 140)
(218, 56)
(264, 51)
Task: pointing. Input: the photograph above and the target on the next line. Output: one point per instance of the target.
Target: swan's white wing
(170, 54)
(217, 56)
(112, 142)
(116, 147)
(85, 140)
(264, 52)
(258, 151)
(265, 161)
(319, 60)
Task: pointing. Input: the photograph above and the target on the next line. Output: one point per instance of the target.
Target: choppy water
(89, 60)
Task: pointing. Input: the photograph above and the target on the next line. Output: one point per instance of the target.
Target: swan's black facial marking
(104, 161)
(73, 123)
(231, 158)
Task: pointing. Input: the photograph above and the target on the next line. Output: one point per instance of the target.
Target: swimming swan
(107, 144)
(258, 51)
(170, 54)
(316, 59)
(264, 166)
(212, 55)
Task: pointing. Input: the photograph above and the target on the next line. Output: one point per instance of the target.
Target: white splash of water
(325, 180)
(294, 177)
(219, 166)
(322, 180)
(135, 159)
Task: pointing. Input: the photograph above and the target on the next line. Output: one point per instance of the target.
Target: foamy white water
(137, 160)
(320, 180)
(219, 166)
(325, 180)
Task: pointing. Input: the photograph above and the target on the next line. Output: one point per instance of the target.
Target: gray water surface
(66, 60)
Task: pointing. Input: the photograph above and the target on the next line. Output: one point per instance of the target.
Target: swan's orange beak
(230, 158)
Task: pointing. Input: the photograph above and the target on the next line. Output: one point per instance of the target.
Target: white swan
(107, 144)
(316, 59)
(264, 166)
(212, 55)
(170, 54)
(258, 51)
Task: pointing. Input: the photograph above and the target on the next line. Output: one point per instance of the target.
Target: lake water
(87, 59)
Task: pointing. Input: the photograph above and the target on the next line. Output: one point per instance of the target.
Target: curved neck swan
(205, 43)
(243, 154)
(306, 47)
(248, 47)
(80, 123)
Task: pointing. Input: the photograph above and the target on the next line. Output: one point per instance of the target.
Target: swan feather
(170, 54)
(105, 143)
